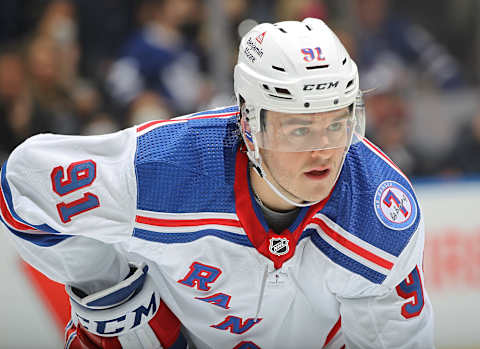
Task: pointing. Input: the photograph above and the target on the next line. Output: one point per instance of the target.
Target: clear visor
(306, 132)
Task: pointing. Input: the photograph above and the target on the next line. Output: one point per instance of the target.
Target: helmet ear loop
(250, 139)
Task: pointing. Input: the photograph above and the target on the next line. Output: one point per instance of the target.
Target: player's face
(309, 175)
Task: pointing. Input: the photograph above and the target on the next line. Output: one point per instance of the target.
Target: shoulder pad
(195, 153)
(371, 215)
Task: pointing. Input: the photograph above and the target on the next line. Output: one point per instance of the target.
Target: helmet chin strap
(264, 176)
(256, 160)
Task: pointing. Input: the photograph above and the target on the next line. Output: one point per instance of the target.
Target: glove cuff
(112, 296)
(130, 305)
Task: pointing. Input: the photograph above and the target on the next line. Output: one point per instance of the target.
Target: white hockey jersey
(176, 194)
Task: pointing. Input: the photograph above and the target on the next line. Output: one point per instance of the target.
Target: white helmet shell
(294, 67)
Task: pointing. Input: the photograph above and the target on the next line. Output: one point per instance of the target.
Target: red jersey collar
(277, 247)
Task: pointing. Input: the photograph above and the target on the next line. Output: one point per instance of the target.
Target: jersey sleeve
(67, 201)
(394, 314)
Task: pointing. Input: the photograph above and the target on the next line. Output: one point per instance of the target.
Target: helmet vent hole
(350, 83)
(278, 68)
(282, 90)
(282, 30)
(280, 97)
(317, 67)
(344, 61)
(306, 25)
(266, 87)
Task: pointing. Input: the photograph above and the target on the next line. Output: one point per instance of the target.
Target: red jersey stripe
(385, 157)
(333, 331)
(353, 247)
(8, 216)
(186, 222)
(155, 122)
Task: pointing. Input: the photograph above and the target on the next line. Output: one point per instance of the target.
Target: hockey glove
(126, 315)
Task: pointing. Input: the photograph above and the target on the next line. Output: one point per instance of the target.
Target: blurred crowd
(93, 67)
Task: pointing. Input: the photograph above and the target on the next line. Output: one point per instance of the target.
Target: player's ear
(245, 128)
(244, 125)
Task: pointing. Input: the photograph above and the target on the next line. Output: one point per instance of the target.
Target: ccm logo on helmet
(322, 86)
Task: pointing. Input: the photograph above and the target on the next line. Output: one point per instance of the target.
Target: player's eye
(335, 126)
(300, 131)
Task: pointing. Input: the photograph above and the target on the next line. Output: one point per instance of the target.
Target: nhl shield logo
(279, 246)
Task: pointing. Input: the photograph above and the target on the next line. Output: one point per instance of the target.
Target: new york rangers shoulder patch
(395, 206)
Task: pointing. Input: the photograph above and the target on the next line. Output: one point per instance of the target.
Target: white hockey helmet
(296, 68)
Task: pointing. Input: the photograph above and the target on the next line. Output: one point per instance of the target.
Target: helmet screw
(335, 101)
(306, 105)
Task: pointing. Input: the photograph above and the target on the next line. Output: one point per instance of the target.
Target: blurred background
(91, 67)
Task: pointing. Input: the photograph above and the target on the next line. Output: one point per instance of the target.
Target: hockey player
(274, 224)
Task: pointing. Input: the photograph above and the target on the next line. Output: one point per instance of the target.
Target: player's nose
(322, 154)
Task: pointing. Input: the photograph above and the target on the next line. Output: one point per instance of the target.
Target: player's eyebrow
(298, 121)
(310, 120)
(343, 116)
